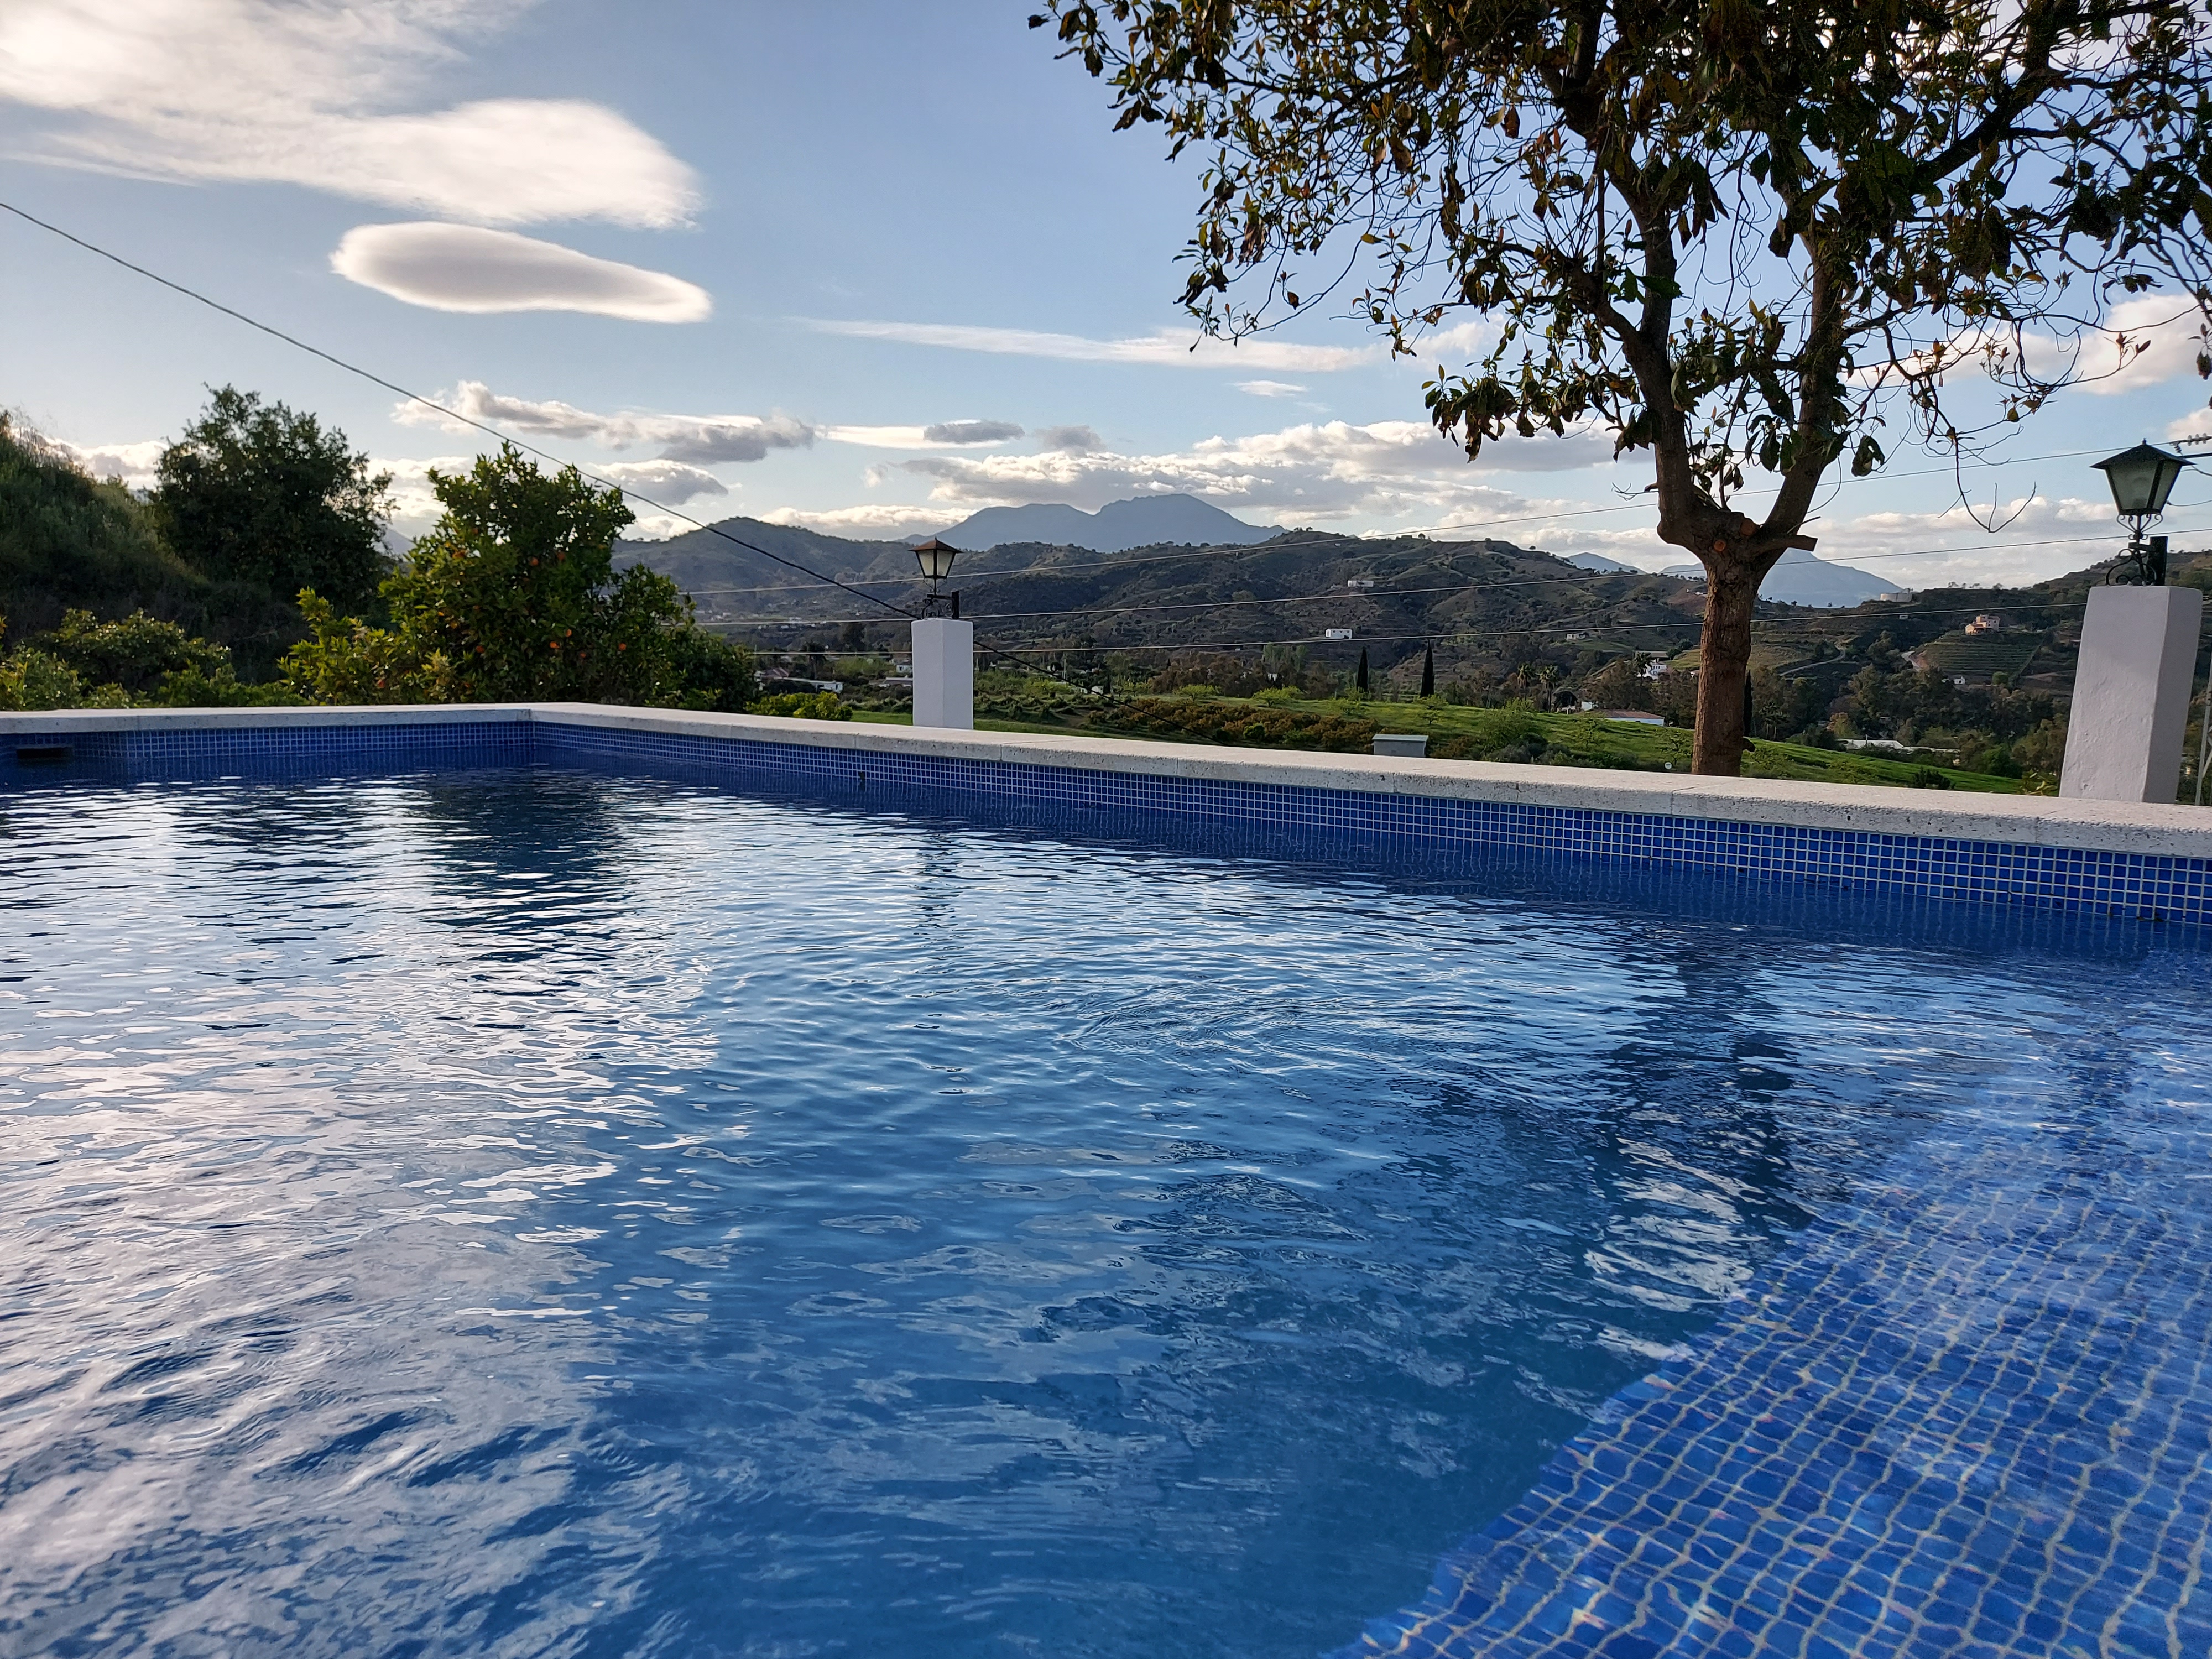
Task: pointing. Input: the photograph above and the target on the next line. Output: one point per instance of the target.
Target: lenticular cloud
(467, 268)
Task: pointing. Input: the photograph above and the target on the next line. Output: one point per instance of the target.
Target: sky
(863, 267)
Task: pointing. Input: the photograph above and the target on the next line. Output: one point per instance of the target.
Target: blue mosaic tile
(1966, 1416)
(2075, 881)
(2158, 889)
(274, 751)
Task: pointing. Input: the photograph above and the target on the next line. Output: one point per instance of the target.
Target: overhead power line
(1767, 490)
(1447, 637)
(857, 591)
(375, 379)
(1334, 595)
(1585, 624)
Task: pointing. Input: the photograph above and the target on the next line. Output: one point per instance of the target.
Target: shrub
(136, 654)
(31, 678)
(804, 705)
(1265, 727)
(513, 596)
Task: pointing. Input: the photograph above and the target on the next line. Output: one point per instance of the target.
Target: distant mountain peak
(1798, 578)
(1140, 521)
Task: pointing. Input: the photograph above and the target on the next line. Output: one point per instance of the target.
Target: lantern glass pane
(2168, 469)
(2132, 479)
(2141, 478)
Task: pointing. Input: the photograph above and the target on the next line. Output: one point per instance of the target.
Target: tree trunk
(1724, 664)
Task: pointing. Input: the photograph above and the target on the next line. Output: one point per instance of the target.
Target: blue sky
(861, 266)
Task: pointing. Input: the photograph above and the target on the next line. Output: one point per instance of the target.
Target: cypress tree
(1429, 671)
(1360, 679)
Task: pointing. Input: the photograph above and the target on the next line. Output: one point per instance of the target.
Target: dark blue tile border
(271, 751)
(2154, 888)
(2165, 889)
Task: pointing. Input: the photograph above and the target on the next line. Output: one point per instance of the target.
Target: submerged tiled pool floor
(1969, 1414)
(1222, 1375)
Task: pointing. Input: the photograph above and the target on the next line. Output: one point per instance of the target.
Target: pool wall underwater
(2147, 862)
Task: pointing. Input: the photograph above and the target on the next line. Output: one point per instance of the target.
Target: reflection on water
(547, 1215)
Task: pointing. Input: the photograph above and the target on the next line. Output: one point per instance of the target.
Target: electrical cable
(1451, 635)
(375, 379)
(1103, 611)
(856, 591)
(1764, 490)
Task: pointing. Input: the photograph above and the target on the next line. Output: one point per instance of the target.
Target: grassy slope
(1572, 740)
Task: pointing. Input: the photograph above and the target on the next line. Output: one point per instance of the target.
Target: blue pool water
(536, 1212)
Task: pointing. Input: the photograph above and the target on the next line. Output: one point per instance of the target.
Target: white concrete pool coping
(2154, 830)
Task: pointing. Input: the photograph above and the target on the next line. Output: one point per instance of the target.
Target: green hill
(69, 542)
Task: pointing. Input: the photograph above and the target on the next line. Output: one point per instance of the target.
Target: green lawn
(1565, 739)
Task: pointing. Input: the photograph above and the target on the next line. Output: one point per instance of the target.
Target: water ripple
(541, 1214)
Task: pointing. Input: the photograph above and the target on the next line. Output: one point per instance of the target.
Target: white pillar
(2131, 693)
(944, 673)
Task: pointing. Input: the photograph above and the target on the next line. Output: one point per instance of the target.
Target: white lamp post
(2138, 660)
(944, 646)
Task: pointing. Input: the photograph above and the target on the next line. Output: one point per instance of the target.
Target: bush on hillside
(68, 541)
(261, 495)
(135, 653)
(31, 678)
(1258, 728)
(804, 705)
(514, 597)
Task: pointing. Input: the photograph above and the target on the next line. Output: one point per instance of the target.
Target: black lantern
(2141, 478)
(936, 557)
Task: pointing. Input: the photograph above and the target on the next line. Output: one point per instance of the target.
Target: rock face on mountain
(1142, 521)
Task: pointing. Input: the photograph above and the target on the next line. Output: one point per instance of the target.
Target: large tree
(257, 494)
(1746, 237)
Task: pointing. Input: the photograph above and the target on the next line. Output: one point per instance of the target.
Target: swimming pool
(539, 1211)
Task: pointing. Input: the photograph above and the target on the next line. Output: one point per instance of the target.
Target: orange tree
(1740, 235)
(514, 597)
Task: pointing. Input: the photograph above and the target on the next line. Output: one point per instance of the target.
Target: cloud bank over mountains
(700, 440)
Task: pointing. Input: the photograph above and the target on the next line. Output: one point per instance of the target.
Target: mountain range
(1488, 605)
(1116, 527)
(1798, 578)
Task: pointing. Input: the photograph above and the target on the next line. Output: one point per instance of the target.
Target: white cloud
(2161, 331)
(670, 483)
(870, 522)
(943, 435)
(132, 463)
(2036, 539)
(2166, 329)
(1076, 438)
(971, 432)
(1169, 346)
(2161, 334)
(703, 440)
(464, 268)
(414, 504)
(1303, 474)
(322, 94)
(1269, 388)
